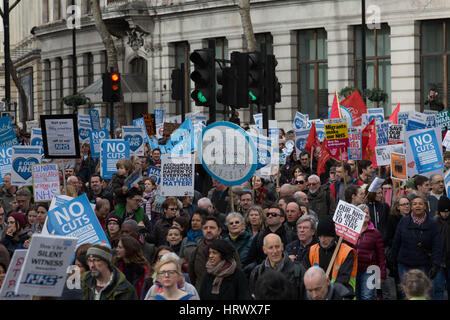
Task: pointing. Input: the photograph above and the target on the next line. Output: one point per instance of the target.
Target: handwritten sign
(12, 276)
(45, 181)
(348, 221)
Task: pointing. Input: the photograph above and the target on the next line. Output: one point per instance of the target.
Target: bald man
(278, 261)
(319, 287)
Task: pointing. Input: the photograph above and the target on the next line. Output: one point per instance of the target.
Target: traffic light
(111, 87)
(204, 77)
(255, 77)
(227, 94)
(239, 65)
(272, 86)
(177, 84)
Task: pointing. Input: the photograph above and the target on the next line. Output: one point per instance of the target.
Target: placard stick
(343, 168)
(338, 246)
(312, 156)
(394, 189)
(230, 189)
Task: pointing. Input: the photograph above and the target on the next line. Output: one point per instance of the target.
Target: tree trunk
(23, 116)
(244, 11)
(111, 52)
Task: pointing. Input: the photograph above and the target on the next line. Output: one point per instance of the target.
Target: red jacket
(136, 279)
(370, 250)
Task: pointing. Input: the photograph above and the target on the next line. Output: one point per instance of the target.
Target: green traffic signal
(201, 97)
(253, 98)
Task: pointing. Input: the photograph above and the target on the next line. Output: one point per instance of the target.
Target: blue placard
(108, 124)
(136, 137)
(155, 173)
(383, 133)
(134, 177)
(301, 136)
(447, 182)
(181, 140)
(23, 157)
(412, 125)
(5, 162)
(83, 132)
(159, 116)
(76, 219)
(7, 135)
(426, 153)
(111, 151)
(254, 160)
(95, 137)
(95, 119)
(300, 121)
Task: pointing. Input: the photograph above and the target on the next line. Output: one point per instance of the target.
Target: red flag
(324, 156)
(335, 109)
(313, 140)
(369, 141)
(356, 106)
(394, 115)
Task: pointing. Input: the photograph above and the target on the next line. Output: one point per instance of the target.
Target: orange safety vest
(342, 254)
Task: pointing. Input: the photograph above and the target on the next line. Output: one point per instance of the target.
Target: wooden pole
(336, 250)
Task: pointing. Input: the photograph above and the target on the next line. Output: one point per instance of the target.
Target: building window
(312, 76)
(435, 60)
(90, 68)
(138, 65)
(221, 53)
(182, 56)
(378, 63)
(264, 38)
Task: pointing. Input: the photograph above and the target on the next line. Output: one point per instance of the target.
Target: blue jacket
(405, 248)
(241, 244)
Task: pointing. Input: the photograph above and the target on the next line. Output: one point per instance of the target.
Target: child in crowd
(124, 169)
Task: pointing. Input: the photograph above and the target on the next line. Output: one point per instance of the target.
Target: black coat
(379, 214)
(233, 287)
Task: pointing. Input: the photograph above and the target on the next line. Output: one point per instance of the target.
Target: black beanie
(444, 204)
(326, 227)
(224, 247)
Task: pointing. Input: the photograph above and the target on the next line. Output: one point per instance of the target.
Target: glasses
(312, 183)
(173, 209)
(94, 260)
(233, 223)
(167, 273)
(273, 214)
(300, 182)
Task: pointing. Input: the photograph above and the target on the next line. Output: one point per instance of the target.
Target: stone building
(317, 45)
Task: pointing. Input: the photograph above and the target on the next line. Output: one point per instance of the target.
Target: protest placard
(170, 127)
(44, 269)
(94, 115)
(446, 141)
(383, 133)
(258, 118)
(376, 184)
(348, 221)
(403, 117)
(36, 137)
(83, 132)
(12, 276)
(447, 182)
(133, 178)
(111, 151)
(300, 121)
(60, 136)
(136, 137)
(159, 122)
(177, 175)
(150, 125)
(181, 140)
(383, 154)
(45, 179)
(5, 162)
(424, 151)
(443, 119)
(396, 134)
(95, 139)
(21, 160)
(155, 173)
(354, 147)
(430, 118)
(416, 121)
(336, 134)
(300, 140)
(7, 135)
(76, 218)
(398, 166)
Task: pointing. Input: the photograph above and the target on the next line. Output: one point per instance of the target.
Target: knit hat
(113, 217)
(326, 227)
(444, 204)
(224, 247)
(20, 218)
(101, 252)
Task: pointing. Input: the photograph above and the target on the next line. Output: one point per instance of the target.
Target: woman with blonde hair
(255, 219)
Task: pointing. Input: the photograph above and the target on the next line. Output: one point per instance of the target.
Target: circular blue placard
(251, 166)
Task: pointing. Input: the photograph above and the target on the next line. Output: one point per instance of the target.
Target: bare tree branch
(14, 5)
(244, 11)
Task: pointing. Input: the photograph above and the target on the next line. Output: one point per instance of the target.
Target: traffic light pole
(111, 120)
(7, 54)
(212, 109)
(183, 100)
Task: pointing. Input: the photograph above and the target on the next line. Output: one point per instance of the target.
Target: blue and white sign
(7, 135)
(84, 119)
(383, 133)
(133, 178)
(95, 138)
(300, 121)
(403, 117)
(5, 162)
(258, 118)
(301, 136)
(447, 182)
(181, 140)
(108, 124)
(430, 118)
(36, 137)
(111, 151)
(76, 219)
(135, 135)
(416, 121)
(95, 119)
(155, 173)
(83, 132)
(228, 153)
(320, 128)
(377, 113)
(21, 160)
(177, 175)
(159, 122)
(263, 146)
(425, 146)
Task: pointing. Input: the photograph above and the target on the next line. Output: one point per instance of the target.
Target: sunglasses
(273, 214)
(300, 182)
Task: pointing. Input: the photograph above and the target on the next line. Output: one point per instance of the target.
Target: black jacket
(297, 249)
(379, 214)
(233, 287)
(293, 270)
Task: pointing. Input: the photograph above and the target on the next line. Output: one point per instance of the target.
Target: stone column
(285, 51)
(405, 64)
(67, 72)
(45, 11)
(55, 76)
(46, 87)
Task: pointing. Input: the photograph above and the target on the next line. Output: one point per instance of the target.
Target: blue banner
(5, 162)
(95, 119)
(182, 140)
(155, 173)
(95, 137)
(136, 136)
(111, 151)
(383, 133)
(76, 219)
(7, 135)
(426, 152)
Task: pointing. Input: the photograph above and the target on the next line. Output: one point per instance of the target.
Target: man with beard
(103, 281)
(96, 190)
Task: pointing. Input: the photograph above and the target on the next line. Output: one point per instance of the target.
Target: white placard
(177, 175)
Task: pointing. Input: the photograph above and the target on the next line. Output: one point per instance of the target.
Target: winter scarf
(261, 195)
(192, 236)
(221, 270)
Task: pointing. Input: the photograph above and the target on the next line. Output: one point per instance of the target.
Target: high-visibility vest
(342, 254)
